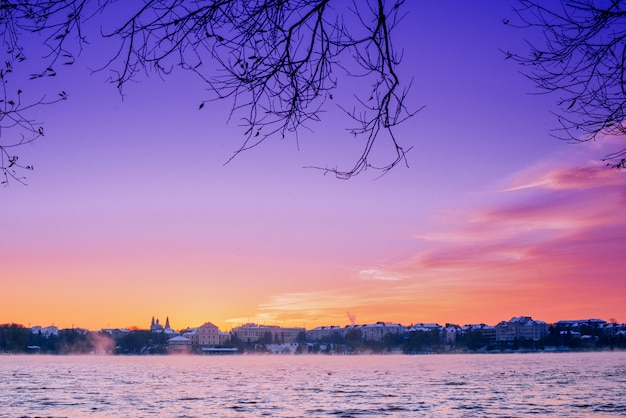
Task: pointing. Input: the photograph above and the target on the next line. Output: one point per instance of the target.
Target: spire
(167, 322)
(152, 324)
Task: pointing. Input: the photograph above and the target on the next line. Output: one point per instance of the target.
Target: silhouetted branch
(583, 60)
(276, 60)
(55, 23)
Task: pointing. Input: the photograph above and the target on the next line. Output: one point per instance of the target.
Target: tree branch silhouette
(583, 61)
(277, 61)
(53, 22)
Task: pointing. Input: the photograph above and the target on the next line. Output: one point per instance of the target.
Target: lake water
(464, 385)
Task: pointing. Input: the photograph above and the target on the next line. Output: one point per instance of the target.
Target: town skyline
(158, 324)
(522, 333)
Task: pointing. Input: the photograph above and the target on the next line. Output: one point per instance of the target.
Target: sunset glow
(131, 213)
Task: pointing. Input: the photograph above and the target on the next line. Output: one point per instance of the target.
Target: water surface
(464, 385)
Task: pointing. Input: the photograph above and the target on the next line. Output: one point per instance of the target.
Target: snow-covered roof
(179, 338)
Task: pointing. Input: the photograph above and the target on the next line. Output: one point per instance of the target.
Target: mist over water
(541, 384)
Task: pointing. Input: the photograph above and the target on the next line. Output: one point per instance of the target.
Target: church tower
(155, 326)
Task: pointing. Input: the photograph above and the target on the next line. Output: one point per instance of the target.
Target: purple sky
(130, 211)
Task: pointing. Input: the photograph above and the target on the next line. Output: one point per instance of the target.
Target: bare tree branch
(53, 22)
(277, 61)
(583, 61)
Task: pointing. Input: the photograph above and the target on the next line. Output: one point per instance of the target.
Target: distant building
(179, 344)
(155, 326)
(487, 331)
(208, 335)
(192, 334)
(168, 330)
(577, 324)
(324, 333)
(224, 337)
(116, 332)
(521, 328)
(250, 333)
(424, 327)
(614, 329)
(377, 331)
(45, 331)
(369, 332)
(450, 332)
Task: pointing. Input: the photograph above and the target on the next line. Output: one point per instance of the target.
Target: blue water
(464, 385)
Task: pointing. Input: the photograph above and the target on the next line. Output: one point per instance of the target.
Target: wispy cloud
(380, 273)
(582, 177)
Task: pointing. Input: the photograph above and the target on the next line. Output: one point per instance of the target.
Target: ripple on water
(563, 384)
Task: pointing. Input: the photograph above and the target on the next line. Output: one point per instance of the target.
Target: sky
(131, 213)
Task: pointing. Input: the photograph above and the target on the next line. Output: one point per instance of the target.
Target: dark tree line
(435, 341)
(353, 342)
(16, 339)
(142, 342)
(278, 62)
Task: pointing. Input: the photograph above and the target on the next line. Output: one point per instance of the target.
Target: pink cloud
(580, 177)
(553, 243)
